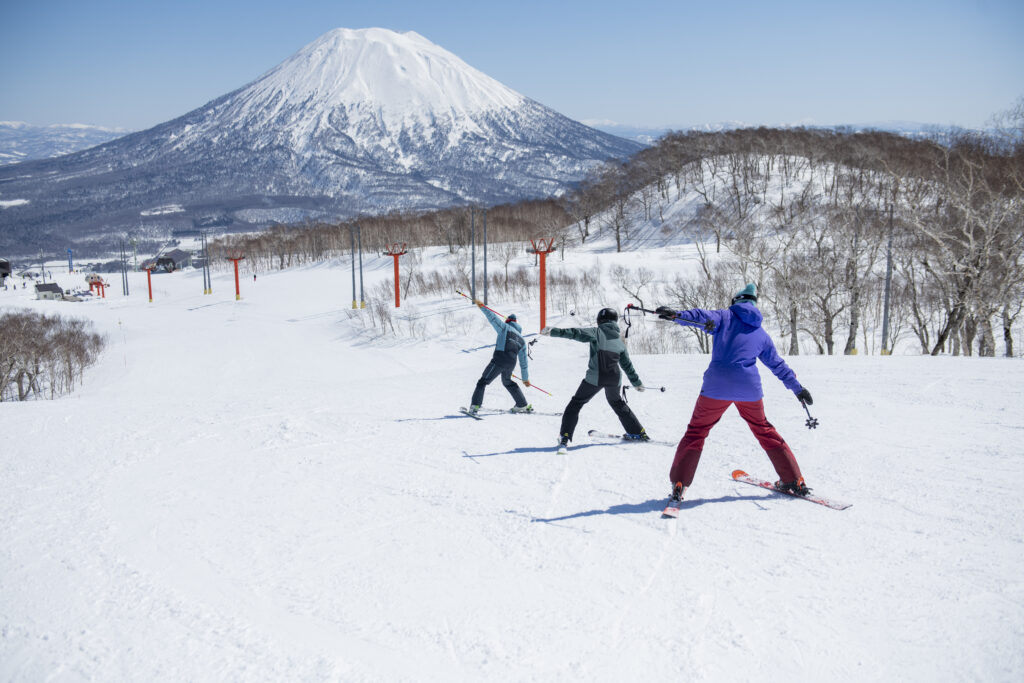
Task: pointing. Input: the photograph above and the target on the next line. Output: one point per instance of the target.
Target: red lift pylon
(235, 257)
(396, 250)
(542, 249)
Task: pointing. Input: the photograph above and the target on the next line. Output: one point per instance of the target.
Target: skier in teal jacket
(607, 353)
(508, 347)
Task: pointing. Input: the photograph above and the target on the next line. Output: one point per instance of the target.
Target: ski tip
(736, 474)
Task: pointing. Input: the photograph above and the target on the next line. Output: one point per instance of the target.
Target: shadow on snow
(530, 449)
(646, 507)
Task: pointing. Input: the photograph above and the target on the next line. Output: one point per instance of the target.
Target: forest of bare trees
(816, 217)
(43, 356)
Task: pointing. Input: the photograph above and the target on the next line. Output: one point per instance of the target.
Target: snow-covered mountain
(20, 141)
(359, 121)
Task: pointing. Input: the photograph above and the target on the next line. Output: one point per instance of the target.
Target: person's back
(607, 354)
(739, 341)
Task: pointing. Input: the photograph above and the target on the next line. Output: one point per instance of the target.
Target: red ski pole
(481, 305)
(532, 385)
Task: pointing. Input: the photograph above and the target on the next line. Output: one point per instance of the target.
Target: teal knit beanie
(748, 293)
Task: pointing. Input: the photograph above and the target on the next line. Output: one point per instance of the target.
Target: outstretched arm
(496, 322)
(580, 334)
(774, 362)
(710, 321)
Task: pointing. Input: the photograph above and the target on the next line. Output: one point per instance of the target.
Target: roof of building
(177, 255)
(49, 287)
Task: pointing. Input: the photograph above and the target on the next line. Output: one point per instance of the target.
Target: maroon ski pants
(706, 415)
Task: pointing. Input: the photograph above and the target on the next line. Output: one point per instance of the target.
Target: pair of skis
(480, 414)
(673, 507)
(624, 438)
(594, 434)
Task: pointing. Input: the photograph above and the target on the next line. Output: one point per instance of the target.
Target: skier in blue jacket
(508, 347)
(739, 342)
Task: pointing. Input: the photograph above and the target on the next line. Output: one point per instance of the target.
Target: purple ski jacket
(738, 341)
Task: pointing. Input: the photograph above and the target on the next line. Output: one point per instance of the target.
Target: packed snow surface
(261, 490)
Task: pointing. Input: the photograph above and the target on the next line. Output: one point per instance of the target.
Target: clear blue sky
(134, 64)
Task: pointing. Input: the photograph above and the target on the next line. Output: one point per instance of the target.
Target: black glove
(805, 396)
(709, 326)
(665, 313)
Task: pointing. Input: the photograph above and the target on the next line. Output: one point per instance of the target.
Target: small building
(176, 259)
(49, 291)
(5, 270)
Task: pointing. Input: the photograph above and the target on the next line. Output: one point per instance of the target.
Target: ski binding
(740, 475)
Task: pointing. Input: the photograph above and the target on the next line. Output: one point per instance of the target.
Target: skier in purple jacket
(739, 342)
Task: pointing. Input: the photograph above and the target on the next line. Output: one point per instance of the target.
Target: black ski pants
(588, 391)
(492, 371)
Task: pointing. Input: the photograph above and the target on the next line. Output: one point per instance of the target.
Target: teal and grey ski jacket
(607, 353)
(509, 345)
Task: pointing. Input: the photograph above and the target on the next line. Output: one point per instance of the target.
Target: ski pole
(694, 323)
(642, 386)
(481, 305)
(533, 385)
(812, 422)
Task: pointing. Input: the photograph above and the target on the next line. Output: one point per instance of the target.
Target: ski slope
(256, 490)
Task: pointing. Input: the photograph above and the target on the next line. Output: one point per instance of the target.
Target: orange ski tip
(736, 474)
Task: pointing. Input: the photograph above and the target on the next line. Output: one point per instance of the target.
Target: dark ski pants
(490, 373)
(706, 415)
(587, 391)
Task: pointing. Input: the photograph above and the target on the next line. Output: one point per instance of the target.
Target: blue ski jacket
(738, 342)
(510, 343)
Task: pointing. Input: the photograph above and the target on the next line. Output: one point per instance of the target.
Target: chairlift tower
(396, 250)
(542, 248)
(235, 256)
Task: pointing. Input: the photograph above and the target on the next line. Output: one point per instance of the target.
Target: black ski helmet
(606, 314)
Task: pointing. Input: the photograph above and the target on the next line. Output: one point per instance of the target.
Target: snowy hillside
(21, 141)
(266, 490)
(357, 122)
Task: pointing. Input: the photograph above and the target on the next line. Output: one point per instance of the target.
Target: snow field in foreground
(253, 490)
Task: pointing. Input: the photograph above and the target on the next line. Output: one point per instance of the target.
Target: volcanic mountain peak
(402, 77)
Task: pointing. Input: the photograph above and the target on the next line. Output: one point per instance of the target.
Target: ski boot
(521, 409)
(642, 436)
(797, 488)
(678, 490)
(563, 443)
(473, 410)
